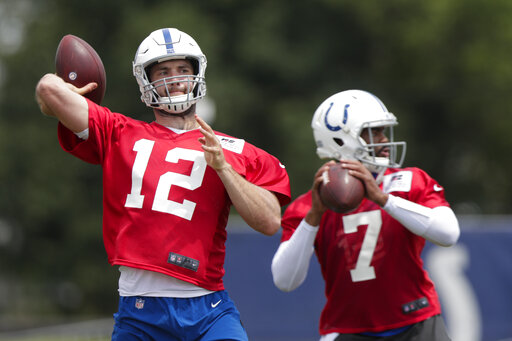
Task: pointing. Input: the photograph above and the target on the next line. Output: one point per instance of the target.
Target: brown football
(79, 64)
(340, 191)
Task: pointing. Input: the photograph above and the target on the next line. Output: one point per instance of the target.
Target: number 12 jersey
(164, 208)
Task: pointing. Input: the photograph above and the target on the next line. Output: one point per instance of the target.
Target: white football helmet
(339, 121)
(162, 45)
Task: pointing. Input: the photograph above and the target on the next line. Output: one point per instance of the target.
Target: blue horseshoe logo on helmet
(345, 117)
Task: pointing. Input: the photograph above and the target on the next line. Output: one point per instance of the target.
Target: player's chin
(384, 152)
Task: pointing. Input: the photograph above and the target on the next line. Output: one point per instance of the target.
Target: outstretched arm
(257, 206)
(64, 101)
(291, 261)
(438, 225)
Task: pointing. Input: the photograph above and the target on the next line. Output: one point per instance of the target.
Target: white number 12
(161, 203)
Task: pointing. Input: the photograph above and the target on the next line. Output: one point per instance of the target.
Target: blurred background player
(168, 187)
(375, 284)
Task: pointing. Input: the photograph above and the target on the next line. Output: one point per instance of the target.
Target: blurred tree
(442, 67)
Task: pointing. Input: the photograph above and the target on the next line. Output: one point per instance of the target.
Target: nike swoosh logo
(215, 304)
(281, 165)
(437, 188)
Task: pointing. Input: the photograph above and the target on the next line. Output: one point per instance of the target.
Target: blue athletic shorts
(205, 318)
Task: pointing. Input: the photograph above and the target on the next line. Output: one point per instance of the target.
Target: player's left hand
(212, 148)
(83, 90)
(373, 191)
(317, 209)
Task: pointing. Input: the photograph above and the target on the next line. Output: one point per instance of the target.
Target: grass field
(93, 330)
(57, 338)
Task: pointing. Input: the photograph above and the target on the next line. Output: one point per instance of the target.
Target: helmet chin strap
(377, 171)
(187, 112)
(378, 177)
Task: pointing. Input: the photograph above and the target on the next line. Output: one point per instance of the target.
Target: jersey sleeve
(415, 185)
(257, 166)
(294, 214)
(426, 191)
(101, 124)
(267, 172)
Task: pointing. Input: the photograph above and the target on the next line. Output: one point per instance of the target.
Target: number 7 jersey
(164, 208)
(371, 264)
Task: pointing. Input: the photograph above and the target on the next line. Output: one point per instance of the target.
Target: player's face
(181, 71)
(378, 135)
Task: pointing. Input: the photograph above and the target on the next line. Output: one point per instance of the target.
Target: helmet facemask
(370, 152)
(172, 104)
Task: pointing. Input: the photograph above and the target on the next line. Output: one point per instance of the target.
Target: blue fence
(473, 278)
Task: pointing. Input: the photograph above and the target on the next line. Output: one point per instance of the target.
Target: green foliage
(441, 66)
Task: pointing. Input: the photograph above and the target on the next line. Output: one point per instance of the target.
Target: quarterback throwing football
(375, 284)
(168, 187)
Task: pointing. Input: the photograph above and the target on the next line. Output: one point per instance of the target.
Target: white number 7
(363, 271)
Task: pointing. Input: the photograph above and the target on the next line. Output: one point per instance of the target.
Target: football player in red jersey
(375, 284)
(168, 186)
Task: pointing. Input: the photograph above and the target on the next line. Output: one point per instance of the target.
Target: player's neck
(183, 121)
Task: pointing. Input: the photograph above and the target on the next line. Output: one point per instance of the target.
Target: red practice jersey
(164, 209)
(371, 264)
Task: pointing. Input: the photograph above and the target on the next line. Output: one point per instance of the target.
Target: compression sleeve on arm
(438, 225)
(84, 134)
(291, 261)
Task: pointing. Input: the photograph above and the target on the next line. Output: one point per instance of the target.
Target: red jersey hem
(171, 273)
(380, 328)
